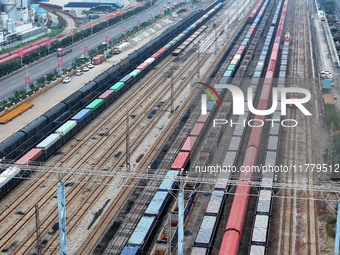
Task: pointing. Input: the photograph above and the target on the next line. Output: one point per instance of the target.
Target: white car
(90, 66)
(79, 72)
(85, 69)
(66, 80)
(326, 72)
(82, 56)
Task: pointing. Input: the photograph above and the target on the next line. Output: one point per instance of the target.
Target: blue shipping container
(157, 204)
(81, 115)
(129, 251)
(142, 232)
(126, 78)
(169, 181)
(203, 237)
(217, 196)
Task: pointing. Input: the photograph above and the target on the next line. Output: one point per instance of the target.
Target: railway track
(31, 190)
(298, 221)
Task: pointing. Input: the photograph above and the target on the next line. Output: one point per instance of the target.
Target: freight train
(80, 108)
(235, 224)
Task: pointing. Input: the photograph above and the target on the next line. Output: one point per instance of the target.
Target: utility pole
(197, 45)
(127, 144)
(37, 227)
(214, 27)
(62, 217)
(180, 215)
(172, 70)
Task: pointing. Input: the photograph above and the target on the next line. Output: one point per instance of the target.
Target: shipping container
(135, 72)
(48, 142)
(30, 156)
(117, 86)
(157, 204)
(231, 67)
(180, 161)
(142, 66)
(234, 143)
(227, 73)
(259, 236)
(106, 95)
(213, 208)
(156, 55)
(189, 144)
(95, 104)
(203, 118)
(149, 61)
(217, 196)
(98, 59)
(257, 250)
(205, 233)
(142, 232)
(67, 127)
(169, 181)
(273, 143)
(199, 251)
(126, 79)
(130, 251)
(80, 116)
(197, 129)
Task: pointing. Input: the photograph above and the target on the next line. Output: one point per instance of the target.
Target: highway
(46, 65)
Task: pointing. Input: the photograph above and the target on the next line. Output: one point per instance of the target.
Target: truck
(116, 51)
(61, 52)
(98, 59)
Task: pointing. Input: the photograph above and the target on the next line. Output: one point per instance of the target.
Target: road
(46, 65)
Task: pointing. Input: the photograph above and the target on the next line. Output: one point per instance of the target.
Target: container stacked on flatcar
(235, 224)
(236, 60)
(259, 239)
(73, 105)
(143, 231)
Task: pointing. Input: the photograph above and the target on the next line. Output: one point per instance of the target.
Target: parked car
(90, 66)
(66, 80)
(79, 72)
(85, 69)
(82, 56)
(326, 72)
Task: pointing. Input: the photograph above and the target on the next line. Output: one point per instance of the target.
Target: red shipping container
(29, 157)
(180, 161)
(203, 118)
(162, 50)
(189, 144)
(156, 55)
(107, 94)
(197, 130)
(142, 66)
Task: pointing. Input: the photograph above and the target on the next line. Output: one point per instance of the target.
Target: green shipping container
(67, 127)
(95, 104)
(231, 67)
(117, 86)
(134, 73)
